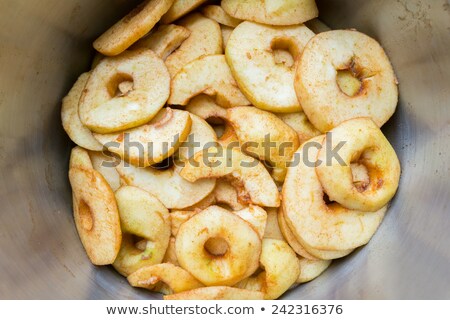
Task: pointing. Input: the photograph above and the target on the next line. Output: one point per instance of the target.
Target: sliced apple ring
(253, 126)
(256, 217)
(165, 278)
(273, 12)
(306, 251)
(201, 136)
(250, 54)
(105, 108)
(225, 193)
(226, 33)
(311, 269)
(365, 144)
(165, 40)
(177, 218)
(315, 223)
(71, 122)
(209, 75)
(247, 172)
(141, 215)
(316, 81)
(153, 142)
(240, 260)
(167, 185)
(281, 270)
(216, 293)
(219, 15)
(300, 123)
(205, 39)
(132, 27)
(96, 215)
(179, 9)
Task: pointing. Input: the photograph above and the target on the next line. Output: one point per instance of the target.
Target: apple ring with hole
(364, 143)
(167, 185)
(145, 227)
(209, 75)
(201, 136)
(344, 74)
(95, 210)
(216, 293)
(281, 270)
(306, 251)
(241, 258)
(165, 278)
(132, 27)
(244, 171)
(272, 12)
(179, 9)
(205, 39)
(315, 223)
(150, 143)
(124, 92)
(219, 15)
(300, 123)
(71, 122)
(251, 55)
(165, 40)
(253, 126)
(310, 270)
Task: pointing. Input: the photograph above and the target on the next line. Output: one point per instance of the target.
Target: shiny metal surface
(45, 44)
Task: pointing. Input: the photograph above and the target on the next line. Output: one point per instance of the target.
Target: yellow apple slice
(205, 107)
(105, 107)
(171, 255)
(167, 185)
(71, 122)
(217, 293)
(151, 143)
(132, 27)
(273, 12)
(272, 230)
(257, 128)
(226, 194)
(250, 54)
(165, 278)
(177, 218)
(141, 216)
(256, 217)
(217, 14)
(219, 162)
(205, 39)
(179, 9)
(165, 40)
(105, 165)
(310, 269)
(226, 33)
(209, 75)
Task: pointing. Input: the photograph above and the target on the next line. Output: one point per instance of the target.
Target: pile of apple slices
(232, 150)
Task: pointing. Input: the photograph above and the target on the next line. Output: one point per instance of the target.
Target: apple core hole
(120, 85)
(86, 217)
(216, 246)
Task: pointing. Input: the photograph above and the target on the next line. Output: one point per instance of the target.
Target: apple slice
(132, 27)
(256, 217)
(179, 9)
(106, 167)
(272, 230)
(150, 143)
(250, 54)
(217, 293)
(141, 215)
(171, 255)
(165, 40)
(205, 39)
(317, 26)
(257, 128)
(309, 269)
(225, 193)
(226, 33)
(165, 278)
(96, 215)
(71, 122)
(218, 14)
(209, 75)
(273, 12)
(205, 107)
(167, 185)
(246, 171)
(177, 218)
(124, 92)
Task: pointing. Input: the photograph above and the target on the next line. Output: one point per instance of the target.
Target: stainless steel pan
(45, 45)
